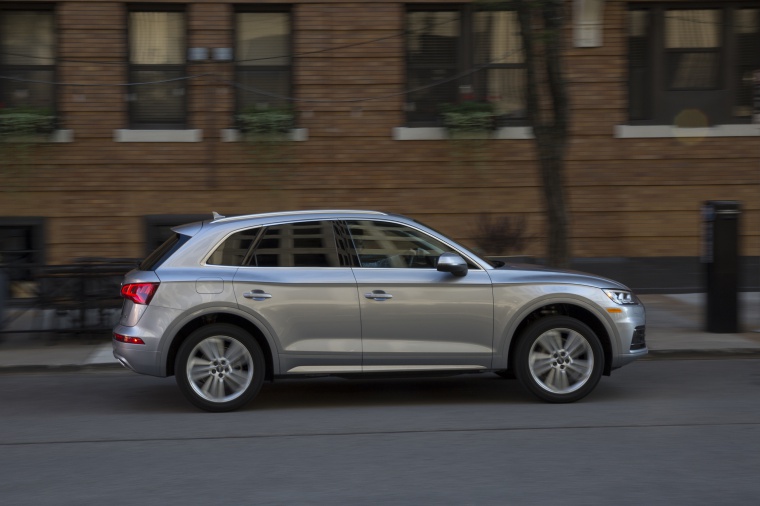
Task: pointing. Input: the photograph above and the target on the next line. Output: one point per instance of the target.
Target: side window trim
(249, 256)
(342, 233)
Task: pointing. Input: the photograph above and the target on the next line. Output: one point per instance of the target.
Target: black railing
(82, 297)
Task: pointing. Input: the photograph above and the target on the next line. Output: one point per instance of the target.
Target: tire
(559, 359)
(220, 367)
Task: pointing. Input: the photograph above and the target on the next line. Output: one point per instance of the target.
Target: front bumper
(631, 328)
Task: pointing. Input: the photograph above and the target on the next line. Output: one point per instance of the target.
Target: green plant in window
(266, 134)
(468, 117)
(25, 121)
(22, 129)
(469, 125)
(265, 121)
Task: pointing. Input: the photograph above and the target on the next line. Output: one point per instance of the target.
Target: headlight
(622, 297)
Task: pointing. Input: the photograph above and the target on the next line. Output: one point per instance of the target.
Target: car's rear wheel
(559, 359)
(220, 367)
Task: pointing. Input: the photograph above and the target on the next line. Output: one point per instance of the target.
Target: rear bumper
(151, 329)
(134, 357)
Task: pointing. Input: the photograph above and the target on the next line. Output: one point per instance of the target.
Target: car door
(301, 286)
(413, 316)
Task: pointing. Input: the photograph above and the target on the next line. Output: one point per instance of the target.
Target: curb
(717, 354)
(20, 369)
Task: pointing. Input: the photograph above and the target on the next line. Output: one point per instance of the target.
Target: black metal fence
(82, 297)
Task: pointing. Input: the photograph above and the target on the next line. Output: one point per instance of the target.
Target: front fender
(507, 318)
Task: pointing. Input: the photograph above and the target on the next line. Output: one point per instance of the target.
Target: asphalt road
(656, 432)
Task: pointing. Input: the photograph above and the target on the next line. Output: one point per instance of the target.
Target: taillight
(139, 293)
(127, 339)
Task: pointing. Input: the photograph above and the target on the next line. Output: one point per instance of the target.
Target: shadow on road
(116, 392)
(327, 393)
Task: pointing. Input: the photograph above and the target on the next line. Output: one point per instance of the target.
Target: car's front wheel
(220, 367)
(559, 359)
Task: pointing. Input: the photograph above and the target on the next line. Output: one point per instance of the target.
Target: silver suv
(228, 303)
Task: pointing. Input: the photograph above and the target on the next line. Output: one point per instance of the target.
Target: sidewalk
(675, 329)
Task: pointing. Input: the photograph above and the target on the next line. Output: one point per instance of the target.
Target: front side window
(457, 55)
(692, 67)
(263, 68)
(393, 245)
(27, 60)
(157, 68)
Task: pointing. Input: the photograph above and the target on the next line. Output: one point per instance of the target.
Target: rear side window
(309, 244)
(302, 244)
(160, 254)
(234, 250)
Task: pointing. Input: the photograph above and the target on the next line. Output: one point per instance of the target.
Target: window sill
(440, 134)
(234, 135)
(667, 131)
(61, 136)
(56, 136)
(157, 135)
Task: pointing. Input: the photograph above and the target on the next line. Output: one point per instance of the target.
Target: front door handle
(257, 295)
(378, 295)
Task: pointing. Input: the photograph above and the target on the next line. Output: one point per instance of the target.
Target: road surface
(656, 432)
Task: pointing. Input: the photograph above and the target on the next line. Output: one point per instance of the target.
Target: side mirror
(453, 263)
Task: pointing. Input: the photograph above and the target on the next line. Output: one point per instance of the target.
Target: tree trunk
(541, 23)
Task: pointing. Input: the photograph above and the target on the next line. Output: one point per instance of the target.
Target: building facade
(137, 116)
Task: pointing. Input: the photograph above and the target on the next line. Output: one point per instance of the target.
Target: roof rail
(219, 218)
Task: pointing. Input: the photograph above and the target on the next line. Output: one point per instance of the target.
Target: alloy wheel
(219, 369)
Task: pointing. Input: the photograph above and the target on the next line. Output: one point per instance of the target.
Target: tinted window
(160, 254)
(234, 249)
(158, 227)
(383, 244)
(308, 244)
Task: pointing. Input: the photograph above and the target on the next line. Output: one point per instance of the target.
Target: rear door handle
(378, 295)
(257, 295)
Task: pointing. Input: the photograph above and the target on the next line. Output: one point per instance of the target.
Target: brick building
(146, 101)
